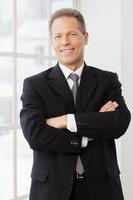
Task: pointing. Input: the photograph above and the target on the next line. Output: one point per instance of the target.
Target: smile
(67, 50)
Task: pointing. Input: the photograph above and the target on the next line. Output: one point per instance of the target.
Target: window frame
(14, 124)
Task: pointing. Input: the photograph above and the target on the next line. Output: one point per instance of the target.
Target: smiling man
(72, 113)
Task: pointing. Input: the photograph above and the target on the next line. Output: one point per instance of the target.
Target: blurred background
(25, 50)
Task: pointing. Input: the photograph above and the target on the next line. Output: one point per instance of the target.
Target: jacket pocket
(39, 174)
(113, 171)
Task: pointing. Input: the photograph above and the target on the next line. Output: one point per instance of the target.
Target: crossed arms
(61, 121)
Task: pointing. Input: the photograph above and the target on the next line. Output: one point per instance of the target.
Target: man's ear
(86, 38)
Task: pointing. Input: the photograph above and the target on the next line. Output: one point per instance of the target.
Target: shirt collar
(66, 71)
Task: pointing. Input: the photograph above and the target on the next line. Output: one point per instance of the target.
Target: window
(24, 50)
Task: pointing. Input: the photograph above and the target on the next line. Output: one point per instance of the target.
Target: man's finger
(109, 106)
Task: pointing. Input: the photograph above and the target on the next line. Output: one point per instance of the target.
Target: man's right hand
(109, 106)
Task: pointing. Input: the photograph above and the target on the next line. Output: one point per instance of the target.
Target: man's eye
(72, 34)
(57, 36)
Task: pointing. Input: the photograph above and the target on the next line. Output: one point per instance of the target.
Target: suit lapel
(88, 84)
(58, 83)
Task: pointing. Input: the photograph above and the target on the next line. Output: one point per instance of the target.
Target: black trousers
(79, 190)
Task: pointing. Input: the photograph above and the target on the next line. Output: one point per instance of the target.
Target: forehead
(65, 23)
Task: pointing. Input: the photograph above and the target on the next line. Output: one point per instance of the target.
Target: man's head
(69, 36)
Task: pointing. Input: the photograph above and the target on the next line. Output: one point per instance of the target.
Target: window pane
(26, 68)
(6, 40)
(24, 164)
(6, 90)
(6, 164)
(6, 136)
(33, 26)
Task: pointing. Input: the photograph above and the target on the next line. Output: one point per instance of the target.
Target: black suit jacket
(55, 151)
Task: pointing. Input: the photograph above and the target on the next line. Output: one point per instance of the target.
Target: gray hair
(68, 12)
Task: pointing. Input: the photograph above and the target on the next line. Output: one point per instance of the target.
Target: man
(70, 117)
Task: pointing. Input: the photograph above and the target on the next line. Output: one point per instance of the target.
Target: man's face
(68, 41)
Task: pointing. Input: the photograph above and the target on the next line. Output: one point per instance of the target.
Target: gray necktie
(75, 78)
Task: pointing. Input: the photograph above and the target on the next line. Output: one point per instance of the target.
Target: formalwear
(55, 151)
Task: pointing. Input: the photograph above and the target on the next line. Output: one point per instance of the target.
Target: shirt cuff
(71, 123)
(85, 141)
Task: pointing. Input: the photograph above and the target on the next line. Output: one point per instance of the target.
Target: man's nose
(65, 40)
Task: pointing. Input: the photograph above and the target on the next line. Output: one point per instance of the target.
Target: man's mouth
(67, 50)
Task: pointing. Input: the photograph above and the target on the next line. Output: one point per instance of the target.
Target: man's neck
(72, 67)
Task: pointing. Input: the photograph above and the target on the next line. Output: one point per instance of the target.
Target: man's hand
(58, 122)
(109, 106)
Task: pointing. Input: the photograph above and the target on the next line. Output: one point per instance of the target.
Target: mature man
(70, 117)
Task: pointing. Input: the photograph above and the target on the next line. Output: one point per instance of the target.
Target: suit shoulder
(40, 76)
(103, 73)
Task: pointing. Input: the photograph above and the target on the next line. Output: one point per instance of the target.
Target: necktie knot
(74, 77)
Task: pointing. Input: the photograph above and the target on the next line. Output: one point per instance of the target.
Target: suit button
(71, 143)
(75, 142)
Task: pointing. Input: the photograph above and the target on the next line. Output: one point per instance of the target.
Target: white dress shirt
(71, 123)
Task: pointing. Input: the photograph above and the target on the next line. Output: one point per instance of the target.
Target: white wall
(127, 78)
(110, 26)
(103, 21)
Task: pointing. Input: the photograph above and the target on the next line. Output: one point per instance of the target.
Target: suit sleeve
(40, 136)
(106, 125)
